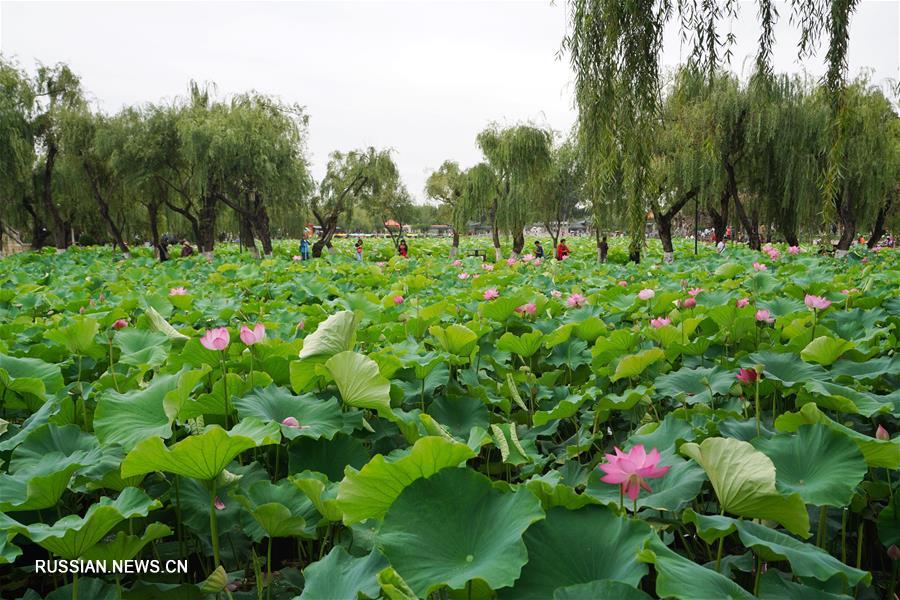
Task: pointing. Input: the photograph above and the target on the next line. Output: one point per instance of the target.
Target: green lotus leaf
(454, 527)
(321, 492)
(663, 435)
(785, 367)
(729, 270)
(369, 492)
(41, 467)
(865, 371)
(202, 456)
(877, 453)
(335, 334)
(330, 457)
(572, 547)
(71, 536)
(635, 364)
(9, 552)
(393, 587)
(304, 374)
(820, 464)
(359, 382)
(744, 481)
(551, 491)
(565, 408)
(889, 524)
(458, 340)
(607, 588)
(502, 308)
(709, 527)
(124, 546)
(806, 560)
(459, 414)
(848, 400)
(131, 417)
(47, 411)
(825, 350)
(27, 381)
(671, 492)
(695, 383)
(683, 579)
(88, 587)
(523, 345)
(141, 347)
(216, 581)
(773, 586)
(340, 575)
(279, 509)
(158, 323)
(317, 418)
(77, 337)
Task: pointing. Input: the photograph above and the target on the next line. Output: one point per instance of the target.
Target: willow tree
(614, 49)
(351, 178)
(57, 89)
(447, 185)
(508, 182)
(17, 155)
(561, 191)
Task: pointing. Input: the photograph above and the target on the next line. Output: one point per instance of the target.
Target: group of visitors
(166, 240)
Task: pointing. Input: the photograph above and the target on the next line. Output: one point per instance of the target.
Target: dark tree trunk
(495, 233)
(454, 248)
(328, 228)
(878, 227)
(518, 242)
(664, 227)
(720, 216)
(554, 235)
(791, 238)
(153, 218)
(847, 218)
(206, 234)
(104, 210)
(262, 228)
(750, 223)
(245, 228)
(38, 231)
(59, 226)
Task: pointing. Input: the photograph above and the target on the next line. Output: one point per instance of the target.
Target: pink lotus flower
(296, 258)
(219, 504)
(631, 469)
(695, 291)
(291, 422)
(882, 434)
(763, 316)
(301, 324)
(253, 336)
(689, 303)
(491, 293)
(623, 283)
(528, 258)
(646, 294)
(463, 276)
(120, 324)
(556, 293)
(527, 309)
(742, 302)
(487, 266)
(660, 322)
(794, 250)
(893, 552)
(398, 299)
(816, 302)
(850, 291)
(381, 263)
(772, 252)
(747, 376)
(456, 262)
(216, 339)
(759, 266)
(178, 291)
(576, 301)
(537, 262)
(510, 261)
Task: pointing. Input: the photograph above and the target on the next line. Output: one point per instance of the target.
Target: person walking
(304, 248)
(403, 249)
(186, 249)
(359, 249)
(538, 249)
(562, 251)
(604, 249)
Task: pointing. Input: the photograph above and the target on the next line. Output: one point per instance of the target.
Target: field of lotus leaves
(720, 427)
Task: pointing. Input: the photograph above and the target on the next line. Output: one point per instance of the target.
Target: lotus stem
(719, 553)
(756, 577)
(225, 391)
(815, 318)
(859, 543)
(74, 586)
(823, 524)
(269, 570)
(112, 365)
(213, 525)
(756, 400)
(844, 535)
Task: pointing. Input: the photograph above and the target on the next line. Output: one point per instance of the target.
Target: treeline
(751, 155)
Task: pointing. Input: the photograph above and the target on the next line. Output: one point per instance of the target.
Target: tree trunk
(261, 223)
(878, 227)
(518, 242)
(495, 233)
(329, 226)
(720, 217)
(664, 228)
(59, 226)
(104, 211)
(847, 217)
(245, 227)
(206, 235)
(751, 225)
(153, 218)
(791, 238)
(38, 231)
(454, 248)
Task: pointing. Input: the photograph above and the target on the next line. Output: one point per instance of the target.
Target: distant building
(437, 230)
(476, 228)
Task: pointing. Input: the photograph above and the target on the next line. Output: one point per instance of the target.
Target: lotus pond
(426, 429)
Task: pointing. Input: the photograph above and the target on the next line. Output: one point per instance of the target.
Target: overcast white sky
(422, 78)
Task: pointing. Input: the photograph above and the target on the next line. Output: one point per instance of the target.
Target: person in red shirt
(562, 251)
(403, 249)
